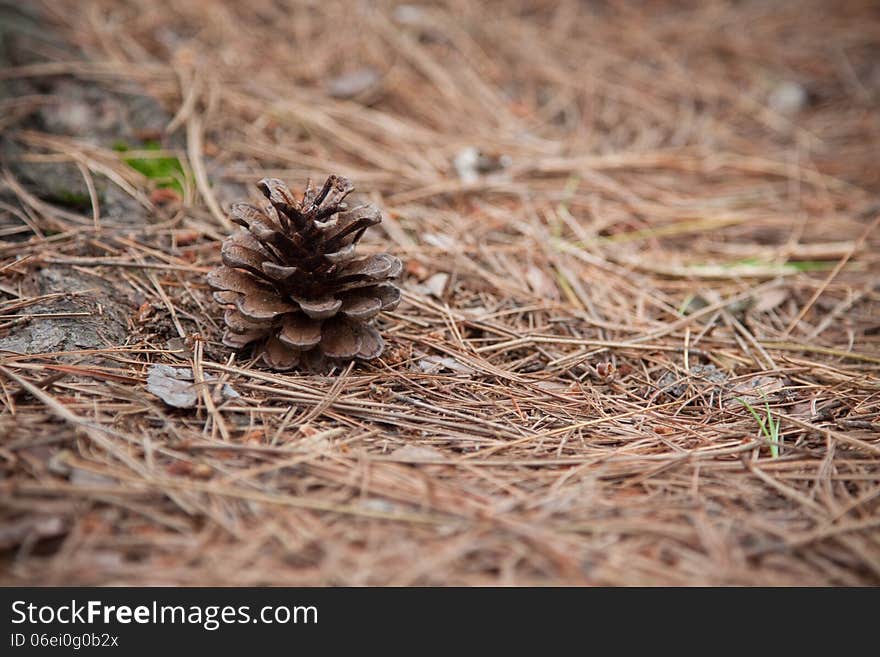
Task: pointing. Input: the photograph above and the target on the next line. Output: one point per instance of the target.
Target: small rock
(409, 15)
(787, 98)
(465, 163)
(105, 323)
(354, 83)
(470, 163)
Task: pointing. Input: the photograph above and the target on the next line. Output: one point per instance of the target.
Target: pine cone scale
(279, 356)
(361, 308)
(238, 323)
(320, 308)
(226, 298)
(264, 306)
(234, 280)
(372, 343)
(372, 267)
(342, 255)
(237, 256)
(339, 339)
(239, 340)
(389, 296)
(300, 332)
(280, 273)
(277, 192)
(247, 240)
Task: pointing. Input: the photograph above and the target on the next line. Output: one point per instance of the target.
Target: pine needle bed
(639, 329)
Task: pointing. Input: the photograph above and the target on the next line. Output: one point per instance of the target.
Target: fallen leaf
(227, 391)
(173, 385)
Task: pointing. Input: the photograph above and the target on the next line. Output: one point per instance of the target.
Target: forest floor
(640, 336)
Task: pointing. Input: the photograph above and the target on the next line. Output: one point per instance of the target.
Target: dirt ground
(640, 336)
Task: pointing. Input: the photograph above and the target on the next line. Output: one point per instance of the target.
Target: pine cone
(291, 283)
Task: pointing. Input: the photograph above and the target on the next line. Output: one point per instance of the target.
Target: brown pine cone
(291, 283)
